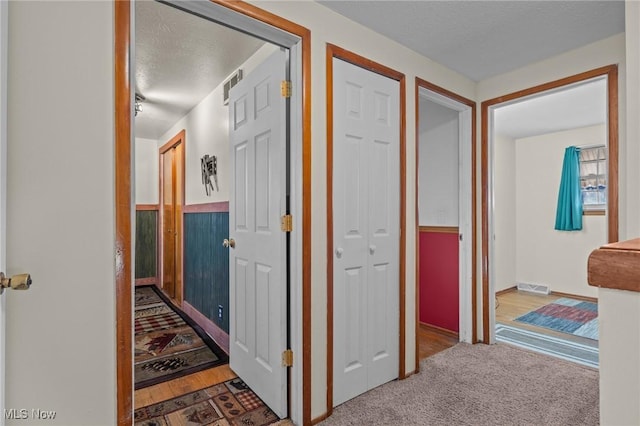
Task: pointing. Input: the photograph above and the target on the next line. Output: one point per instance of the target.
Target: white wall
(619, 332)
(544, 255)
(438, 165)
(327, 26)
(146, 171)
(206, 127)
(620, 310)
(505, 212)
(61, 345)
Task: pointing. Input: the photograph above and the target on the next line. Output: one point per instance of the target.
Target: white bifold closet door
(366, 229)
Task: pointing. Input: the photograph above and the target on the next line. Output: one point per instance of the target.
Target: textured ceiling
(180, 58)
(579, 106)
(481, 39)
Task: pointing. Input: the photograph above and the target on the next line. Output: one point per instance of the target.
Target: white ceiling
(180, 58)
(578, 106)
(481, 39)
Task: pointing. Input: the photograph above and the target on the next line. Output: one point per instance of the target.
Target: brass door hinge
(287, 358)
(285, 88)
(286, 223)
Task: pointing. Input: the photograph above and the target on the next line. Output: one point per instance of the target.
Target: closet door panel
(365, 230)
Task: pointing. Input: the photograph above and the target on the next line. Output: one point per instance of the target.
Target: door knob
(372, 248)
(339, 252)
(17, 282)
(229, 243)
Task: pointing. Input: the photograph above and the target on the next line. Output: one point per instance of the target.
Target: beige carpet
(481, 385)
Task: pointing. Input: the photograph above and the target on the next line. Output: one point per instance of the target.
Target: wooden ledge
(616, 266)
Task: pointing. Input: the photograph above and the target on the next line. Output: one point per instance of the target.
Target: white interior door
(257, 255)
(366, 233)
(465, 225)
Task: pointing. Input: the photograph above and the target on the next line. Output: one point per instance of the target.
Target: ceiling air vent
(232, 81)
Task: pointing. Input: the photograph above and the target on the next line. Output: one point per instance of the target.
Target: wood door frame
(178, 139)
(333, 51)
(611, 72)
(123, 136)
(424, 84)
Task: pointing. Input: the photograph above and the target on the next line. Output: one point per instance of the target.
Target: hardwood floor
(515, 303)
(432, 341)
(183, 385)
(174, 388)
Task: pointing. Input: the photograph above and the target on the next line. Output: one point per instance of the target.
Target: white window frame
(602, 207)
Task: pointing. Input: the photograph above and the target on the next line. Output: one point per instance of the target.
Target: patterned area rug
(229, 403)
(168, 344)
(567, 316)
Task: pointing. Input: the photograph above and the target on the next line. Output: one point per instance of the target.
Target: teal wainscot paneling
(206, 265)
(146, 236)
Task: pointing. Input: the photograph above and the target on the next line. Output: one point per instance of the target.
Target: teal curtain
(569, 212)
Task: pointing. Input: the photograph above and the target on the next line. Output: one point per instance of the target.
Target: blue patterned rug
(567, 316)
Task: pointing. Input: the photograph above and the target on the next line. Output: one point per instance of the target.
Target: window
(593, 178)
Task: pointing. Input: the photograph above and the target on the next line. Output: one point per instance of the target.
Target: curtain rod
(591, 146)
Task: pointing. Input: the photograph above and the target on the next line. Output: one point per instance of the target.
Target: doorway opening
(535, 284)
(445, 210)
(285, 35)
(171, 204)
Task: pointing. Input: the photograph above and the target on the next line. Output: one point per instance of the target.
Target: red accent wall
(439, 287)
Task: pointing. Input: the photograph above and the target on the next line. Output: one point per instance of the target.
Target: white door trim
(295, 236)
(465, 220)
(4, 33)
(465, 226)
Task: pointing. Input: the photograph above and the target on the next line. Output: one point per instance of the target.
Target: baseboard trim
(217, 334)
(146, 281)
(320, 418)
(575, 296)
(553, 293)
(506, 290)
(439, 330)
(409, 374)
